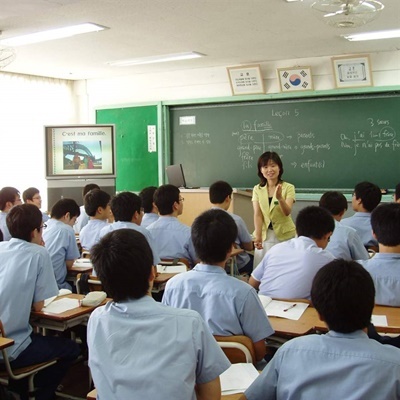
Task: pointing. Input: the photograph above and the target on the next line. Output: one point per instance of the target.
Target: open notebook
(284, 309)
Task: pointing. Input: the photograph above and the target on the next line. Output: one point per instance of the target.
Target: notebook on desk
(284, 309)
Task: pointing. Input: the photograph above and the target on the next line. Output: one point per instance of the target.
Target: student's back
(287, 270)
(344, 242)
(365, 199)
(384, 267)
(228, 305)
(139, 348)
(97, 207)
(172, 238)
(342, 364)
(59, 239)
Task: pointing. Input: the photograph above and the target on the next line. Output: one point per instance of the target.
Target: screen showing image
(79, 151)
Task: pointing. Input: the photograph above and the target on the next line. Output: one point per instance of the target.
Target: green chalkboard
(136, 166)
(327, 142)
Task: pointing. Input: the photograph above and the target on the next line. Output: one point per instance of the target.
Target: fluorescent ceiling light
(52, 34)
(156, 59)
(394, 33)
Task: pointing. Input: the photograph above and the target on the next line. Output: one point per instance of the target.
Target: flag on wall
(295, 79)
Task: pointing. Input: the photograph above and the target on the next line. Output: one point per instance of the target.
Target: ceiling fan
(348, 13)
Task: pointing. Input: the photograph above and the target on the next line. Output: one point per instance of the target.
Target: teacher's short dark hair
(123, 260)
(343, 293)
(263, 160)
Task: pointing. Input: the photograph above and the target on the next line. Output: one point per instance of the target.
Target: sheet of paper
(49, 300)
(237, 378)
(379, 320)
(59, 306)
(83, 262)
(171, 269)
(284, 309)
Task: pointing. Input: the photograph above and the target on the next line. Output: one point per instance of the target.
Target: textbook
(284, 309)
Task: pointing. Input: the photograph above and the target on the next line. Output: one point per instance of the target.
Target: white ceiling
(229, 32)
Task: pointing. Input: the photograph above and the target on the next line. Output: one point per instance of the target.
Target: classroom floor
(75, 385)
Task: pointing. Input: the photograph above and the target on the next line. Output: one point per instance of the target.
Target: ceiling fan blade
(335, 13)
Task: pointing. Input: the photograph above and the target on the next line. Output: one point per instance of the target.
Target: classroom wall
(211, 82)
(27, 103)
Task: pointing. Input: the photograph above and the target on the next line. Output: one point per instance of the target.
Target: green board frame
(136, 166)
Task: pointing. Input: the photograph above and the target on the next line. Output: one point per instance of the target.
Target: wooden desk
(392, 315)
(5, 342)
(65, 320)
(92, 396)
(303, 326)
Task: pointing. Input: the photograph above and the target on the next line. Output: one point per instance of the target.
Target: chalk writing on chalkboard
(324, 143)
(255, 137)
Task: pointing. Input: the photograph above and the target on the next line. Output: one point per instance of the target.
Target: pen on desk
(289, 308)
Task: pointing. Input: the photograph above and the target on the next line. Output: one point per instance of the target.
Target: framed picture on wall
(246, 79)
(295, 79)
(352, 71)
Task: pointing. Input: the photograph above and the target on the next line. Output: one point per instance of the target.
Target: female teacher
(272, 203)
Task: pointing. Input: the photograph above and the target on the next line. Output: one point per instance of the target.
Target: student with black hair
(97, 207)
(9, 197)
(141, 349)
(228, 305)
(83, 218)
(287, 270)
(344, 242)
(26, 280)
(60, 241)
(220, 197)
(171, 236)
(32, 196)
(149, 208)
(384, 267)
(342, 364)
(127, 210)
(366, 198)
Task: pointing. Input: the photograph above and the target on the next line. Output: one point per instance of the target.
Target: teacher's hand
(278, 192)
(258, 244)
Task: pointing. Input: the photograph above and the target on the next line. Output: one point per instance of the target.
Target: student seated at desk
(83, 218)
(60, 241)
(384, 266)
(126, 208)
(228, 305)
(26, 280)
(365, 198)
(172, 238)
(220, 197)
(32, 196)
(342, 364)
(344, 242)
(141, 349)
(9, 197)
(149, 208)
(97, 207)
(287, 270)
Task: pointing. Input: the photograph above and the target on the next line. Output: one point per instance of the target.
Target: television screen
(80, 151)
